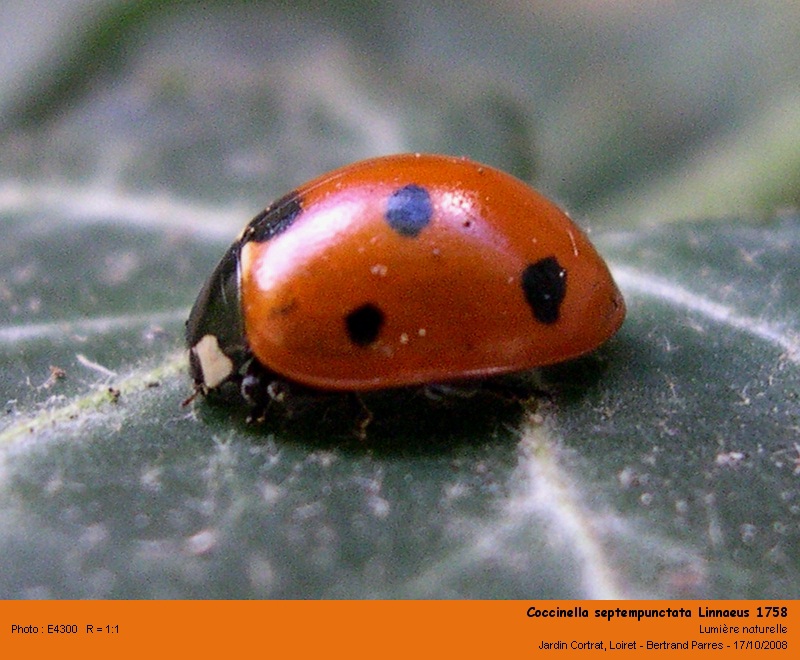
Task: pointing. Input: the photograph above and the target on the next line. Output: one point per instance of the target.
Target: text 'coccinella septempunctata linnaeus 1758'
(403, 270)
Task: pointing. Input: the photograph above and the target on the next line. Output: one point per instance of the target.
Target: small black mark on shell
(544, 284)
(364, 324)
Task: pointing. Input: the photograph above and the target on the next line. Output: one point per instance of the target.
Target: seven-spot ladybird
(403, 270)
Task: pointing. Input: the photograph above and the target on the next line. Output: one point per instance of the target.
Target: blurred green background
(136, 138)
(610, 106)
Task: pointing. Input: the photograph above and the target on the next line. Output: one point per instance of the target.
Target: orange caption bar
(398, 629)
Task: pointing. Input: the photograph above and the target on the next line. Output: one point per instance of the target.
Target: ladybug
(402, 270)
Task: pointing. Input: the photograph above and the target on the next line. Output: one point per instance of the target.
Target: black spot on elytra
(364, 324)
(544, 284)
(409, 210)
(275, 219)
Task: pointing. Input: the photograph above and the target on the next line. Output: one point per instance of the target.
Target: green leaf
(666, 464)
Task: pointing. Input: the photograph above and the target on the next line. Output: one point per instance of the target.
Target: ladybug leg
(260, 388)
(197, 392)
(252, 386)
(364, 416)
(439, 392)
(528, 396)
(506, 390)
(263, 389)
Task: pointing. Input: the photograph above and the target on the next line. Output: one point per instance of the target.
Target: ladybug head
(215, 328)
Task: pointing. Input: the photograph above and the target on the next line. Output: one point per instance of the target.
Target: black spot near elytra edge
(364, 324)
(544, 284)
(275, 219)
(409, 210)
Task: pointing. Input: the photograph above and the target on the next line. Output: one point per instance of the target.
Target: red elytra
(403, 270)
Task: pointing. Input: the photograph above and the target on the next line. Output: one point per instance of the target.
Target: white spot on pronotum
(215, 364)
